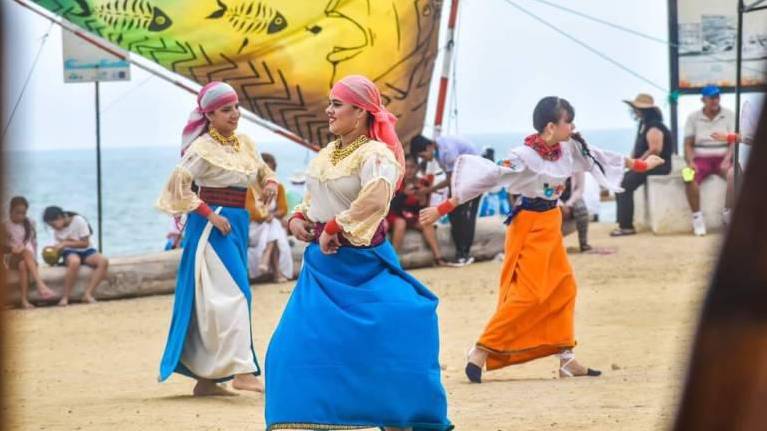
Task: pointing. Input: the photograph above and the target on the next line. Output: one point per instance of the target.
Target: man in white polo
(703, 153)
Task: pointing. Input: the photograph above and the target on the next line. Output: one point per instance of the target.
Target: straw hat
(642, 101)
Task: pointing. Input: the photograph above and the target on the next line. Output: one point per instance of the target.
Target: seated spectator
(21, 249)
(706, 156)
(575, 215)
(175, 233)
(405, 207)
(653, 138)
(72, 234)
(463, 219)
(268, 247)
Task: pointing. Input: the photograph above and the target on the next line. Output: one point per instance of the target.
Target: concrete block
(641, 215)
(669, 211)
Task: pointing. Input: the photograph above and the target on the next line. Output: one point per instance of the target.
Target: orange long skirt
(536, 299)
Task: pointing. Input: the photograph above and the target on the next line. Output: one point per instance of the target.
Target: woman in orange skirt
(536, 300)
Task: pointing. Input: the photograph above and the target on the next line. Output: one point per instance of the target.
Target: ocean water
(132, 178)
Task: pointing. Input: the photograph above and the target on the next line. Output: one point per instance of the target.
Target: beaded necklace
(339, 154)
(233, 140)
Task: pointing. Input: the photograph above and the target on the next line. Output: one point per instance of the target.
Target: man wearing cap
(653, 138)
(704, 154)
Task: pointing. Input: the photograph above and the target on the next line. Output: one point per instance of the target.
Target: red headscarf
(359, 91)
(211, 97)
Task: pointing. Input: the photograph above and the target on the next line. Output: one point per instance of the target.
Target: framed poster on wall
(704, 41)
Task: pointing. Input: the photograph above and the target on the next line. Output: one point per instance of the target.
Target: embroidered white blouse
(356, 191)
(526, 173)
(211, 164)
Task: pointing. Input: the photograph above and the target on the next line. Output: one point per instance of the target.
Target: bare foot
(88, 299)
(26, 305)
(247, 382)
(63, 302)
(280, 279)
(209, 388)
(45, 292)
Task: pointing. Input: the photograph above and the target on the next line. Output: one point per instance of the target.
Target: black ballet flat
(474, 373)
(593, 373)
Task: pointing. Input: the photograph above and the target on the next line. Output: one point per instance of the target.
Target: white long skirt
(260, 235)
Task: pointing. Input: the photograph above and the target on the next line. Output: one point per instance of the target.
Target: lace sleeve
(378, 175)
(303, 207)
(178, 198)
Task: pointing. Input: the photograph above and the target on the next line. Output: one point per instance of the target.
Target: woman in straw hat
(653, 138)
(210, 333)
(358, 342)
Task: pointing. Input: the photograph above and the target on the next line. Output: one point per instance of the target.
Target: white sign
(707, 44)
(85, 62)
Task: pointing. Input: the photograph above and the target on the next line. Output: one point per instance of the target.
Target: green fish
(251, 17)
(125, 15)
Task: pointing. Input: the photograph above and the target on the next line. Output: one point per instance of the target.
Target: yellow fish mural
(281, 56)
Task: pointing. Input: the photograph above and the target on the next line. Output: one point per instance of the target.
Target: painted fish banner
(282, 57)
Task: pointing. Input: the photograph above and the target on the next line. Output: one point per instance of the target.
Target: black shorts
(84, 254)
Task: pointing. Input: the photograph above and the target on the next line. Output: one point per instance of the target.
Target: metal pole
(98, 168)
(738, 77)
(673, 50)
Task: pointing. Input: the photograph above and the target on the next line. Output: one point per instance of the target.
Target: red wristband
(203, 210)
(297, 215)
(639, 166)
(445, 207)
(732, 138)
(332, 227)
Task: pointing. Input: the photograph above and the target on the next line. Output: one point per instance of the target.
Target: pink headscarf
(359, 91)
(212, 96)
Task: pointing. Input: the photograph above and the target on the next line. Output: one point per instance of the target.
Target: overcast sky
(506, 62)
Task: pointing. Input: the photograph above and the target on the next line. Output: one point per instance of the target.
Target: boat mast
(447, 62)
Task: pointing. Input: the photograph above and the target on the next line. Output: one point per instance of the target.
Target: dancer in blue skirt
(210, 333)
(358, 343)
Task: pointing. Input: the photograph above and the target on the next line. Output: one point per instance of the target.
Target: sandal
(570, 357)
(473, 371)
(623, 232)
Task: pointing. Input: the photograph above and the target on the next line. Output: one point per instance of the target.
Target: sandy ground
(95, 367)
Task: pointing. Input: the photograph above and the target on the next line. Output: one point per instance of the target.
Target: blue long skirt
(357, 346)
(231, 251)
